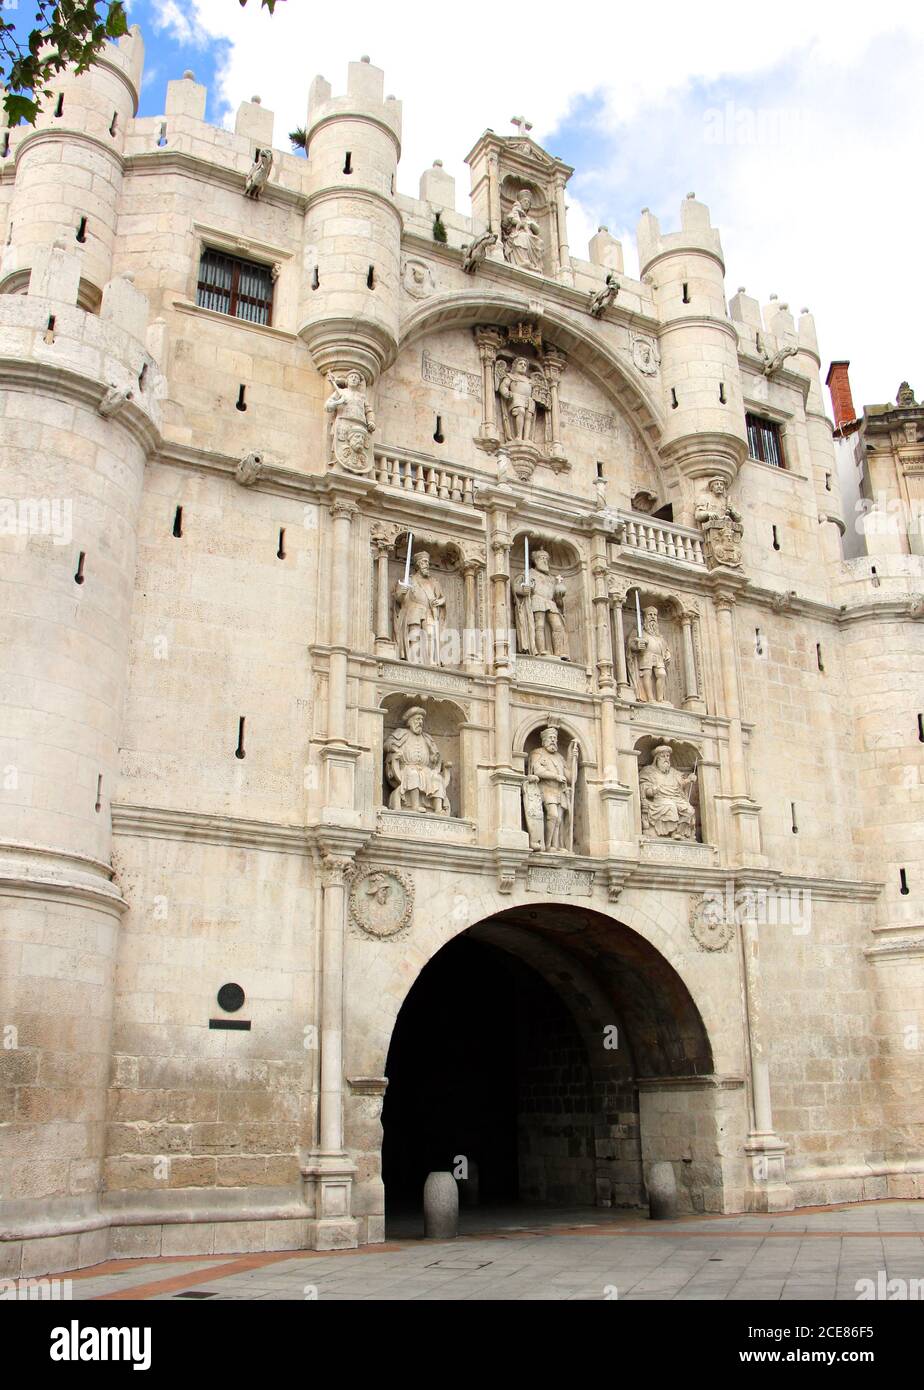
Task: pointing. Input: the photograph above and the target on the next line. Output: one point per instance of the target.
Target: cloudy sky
(799, 122)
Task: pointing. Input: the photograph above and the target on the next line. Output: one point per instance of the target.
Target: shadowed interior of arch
(519, 1054)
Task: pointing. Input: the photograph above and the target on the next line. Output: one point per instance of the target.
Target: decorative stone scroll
(575, 883)
(382, 901)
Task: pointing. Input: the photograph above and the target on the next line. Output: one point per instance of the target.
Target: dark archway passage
(560, 1051)
(486, 1062)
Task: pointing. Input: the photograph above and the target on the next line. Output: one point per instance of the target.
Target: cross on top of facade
(521, 124)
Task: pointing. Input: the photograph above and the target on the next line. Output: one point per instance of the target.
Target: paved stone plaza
(808, 1255)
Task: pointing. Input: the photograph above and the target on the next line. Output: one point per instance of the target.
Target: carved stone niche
(441, 725)
(518, 191)
(559, 588)
(448, 635)
(669, 790)
(673, 628)
(521, 405)
(572, 807)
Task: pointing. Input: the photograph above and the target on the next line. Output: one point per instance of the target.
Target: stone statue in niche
(721, 525)
(259, 174)
(522, 239)
(353, 423)
(474, 253)
(649, 658)
(418, 608)
(414, 768)
(540, 600)
(601, 300)
(667, 811)
(522, 387)
(549, 792)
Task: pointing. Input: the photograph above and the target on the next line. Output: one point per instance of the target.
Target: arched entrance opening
(561, 1053)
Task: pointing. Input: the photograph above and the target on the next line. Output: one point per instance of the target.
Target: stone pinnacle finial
(189, 75)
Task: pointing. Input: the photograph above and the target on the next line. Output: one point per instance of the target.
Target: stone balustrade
(662, 538)
(394, 469)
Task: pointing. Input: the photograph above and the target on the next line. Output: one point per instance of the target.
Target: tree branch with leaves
(67, 34)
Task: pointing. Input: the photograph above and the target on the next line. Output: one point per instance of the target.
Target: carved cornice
(30, 375)
(208, 172)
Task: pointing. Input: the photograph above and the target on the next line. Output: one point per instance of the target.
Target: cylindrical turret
(780, 323)
(704, 433)
(78, 400)
(69, 169)
(352, 243)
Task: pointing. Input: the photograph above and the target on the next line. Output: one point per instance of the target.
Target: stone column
(494, 204)
(691, 695)
(555, 363)
(329, 1172)
(765, 1150)
(744, 811)
(383, 538)
(601, 601)
(623, 686)
(473, 656)
(342, 513)
(335, 872)
(339, 756)
(488, 340)
(565, 272)
(725, 610)
(507, 782)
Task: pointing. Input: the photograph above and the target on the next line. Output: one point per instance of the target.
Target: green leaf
(19, 108)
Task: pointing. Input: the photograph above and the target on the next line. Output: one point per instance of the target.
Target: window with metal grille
(242, 289)
(765, 440)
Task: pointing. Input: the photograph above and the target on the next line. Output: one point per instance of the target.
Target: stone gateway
(324, 552)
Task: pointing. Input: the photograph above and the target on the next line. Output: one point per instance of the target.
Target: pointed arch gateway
(561, 1054)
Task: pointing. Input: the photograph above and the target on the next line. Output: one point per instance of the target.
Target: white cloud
(816, 219)
(167, 17)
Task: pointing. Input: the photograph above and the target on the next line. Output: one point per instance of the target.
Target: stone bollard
(469, 1193)
(662, 1192)
(441, 1207)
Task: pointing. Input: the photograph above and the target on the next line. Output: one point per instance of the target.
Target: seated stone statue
(665, 798)
(414, 768)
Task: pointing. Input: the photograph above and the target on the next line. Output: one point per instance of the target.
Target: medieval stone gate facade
(377, 575)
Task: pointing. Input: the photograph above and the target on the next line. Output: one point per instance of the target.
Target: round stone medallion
(709, 924)
(382, 901)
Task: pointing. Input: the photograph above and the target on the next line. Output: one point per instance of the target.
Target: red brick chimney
(838, 383)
